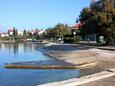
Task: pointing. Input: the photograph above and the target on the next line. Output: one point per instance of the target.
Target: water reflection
(15, 48)
(0, 46)
(24, 52)
(25, 47)
(20, 52)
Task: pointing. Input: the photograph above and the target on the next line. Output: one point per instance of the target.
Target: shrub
(75, 39)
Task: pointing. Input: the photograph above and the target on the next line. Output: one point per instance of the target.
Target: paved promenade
(103, 82)
(98, 79)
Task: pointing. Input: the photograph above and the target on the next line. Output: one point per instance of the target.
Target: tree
(59, 30)
(24, 32)
(99, 18)
(15, 34)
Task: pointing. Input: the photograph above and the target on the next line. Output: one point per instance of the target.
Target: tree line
(99, 18)
(59, 30)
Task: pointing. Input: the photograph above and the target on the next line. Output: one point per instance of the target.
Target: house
(4, 35)
(75, 28)
(41, 32)
(10, 32)
(37, 32)
(20, 33)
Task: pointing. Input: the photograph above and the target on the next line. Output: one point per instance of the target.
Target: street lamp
(74, 33)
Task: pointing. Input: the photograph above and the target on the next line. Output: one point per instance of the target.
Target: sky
(30, 14)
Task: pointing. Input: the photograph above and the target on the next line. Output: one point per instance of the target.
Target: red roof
(36, 31)
(76, 26)
(10, 30)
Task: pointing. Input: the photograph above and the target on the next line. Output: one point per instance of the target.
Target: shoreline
(56, 55)
(82, 65)
(84, 79)
(76, 54)
(104, 57)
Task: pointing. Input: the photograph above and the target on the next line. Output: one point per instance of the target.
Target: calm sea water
(23, 52)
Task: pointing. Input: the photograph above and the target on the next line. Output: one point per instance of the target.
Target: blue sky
(39, 13)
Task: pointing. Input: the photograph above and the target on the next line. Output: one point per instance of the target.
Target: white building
(41, 32)
(4, 35)
(10, 32)
(20, 33)
(38, 32)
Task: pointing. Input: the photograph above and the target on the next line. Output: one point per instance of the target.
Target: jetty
(52, 64)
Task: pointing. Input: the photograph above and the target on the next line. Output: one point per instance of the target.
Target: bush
(4, 38)
(72, 39)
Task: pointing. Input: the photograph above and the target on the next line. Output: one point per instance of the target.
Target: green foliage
(24, 32)
(100, 19)
(4, 38)
(15, 34)
(72, 39)
(57, 31)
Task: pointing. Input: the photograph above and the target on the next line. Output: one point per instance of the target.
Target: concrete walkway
(85, 79)
(103, 82)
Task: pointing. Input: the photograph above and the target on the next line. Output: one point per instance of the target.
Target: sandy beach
(76, 54)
